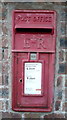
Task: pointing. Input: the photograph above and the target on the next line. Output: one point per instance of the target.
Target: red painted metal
(34, 31)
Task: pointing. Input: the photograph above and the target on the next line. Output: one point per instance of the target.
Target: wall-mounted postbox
(33, 51)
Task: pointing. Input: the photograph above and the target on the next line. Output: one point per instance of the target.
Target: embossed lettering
(26, 19)
(23, 18)
(34, 42)
(41, 43)
(40, 18)
(19, 17)
(27, 43)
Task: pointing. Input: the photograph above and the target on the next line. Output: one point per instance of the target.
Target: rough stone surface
(63, 29)
(0, 79)
(0, 115)
(4, 79)
(33, 1)
(63, 42)
(54, 116)
(60, 95)
(0, 54)
(61, 56)
(10, 115)
(4, 93)
(66, 81)
(30, 115)
(66, 94)
(66, 56)
(62, 68)
(4, 41)
(64, 108)
(57, 105)
(60, 82)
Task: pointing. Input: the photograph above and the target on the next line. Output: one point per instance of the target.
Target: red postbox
(33, 51)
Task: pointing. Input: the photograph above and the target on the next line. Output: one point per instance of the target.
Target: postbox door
(33, 98)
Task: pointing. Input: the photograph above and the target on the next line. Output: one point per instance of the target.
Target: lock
(20, 80)
(33, 52)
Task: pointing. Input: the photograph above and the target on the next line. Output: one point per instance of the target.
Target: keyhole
(20, 80)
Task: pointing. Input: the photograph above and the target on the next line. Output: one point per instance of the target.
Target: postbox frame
(51, 65)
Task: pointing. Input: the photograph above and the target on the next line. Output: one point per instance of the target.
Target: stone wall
(60, 80)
